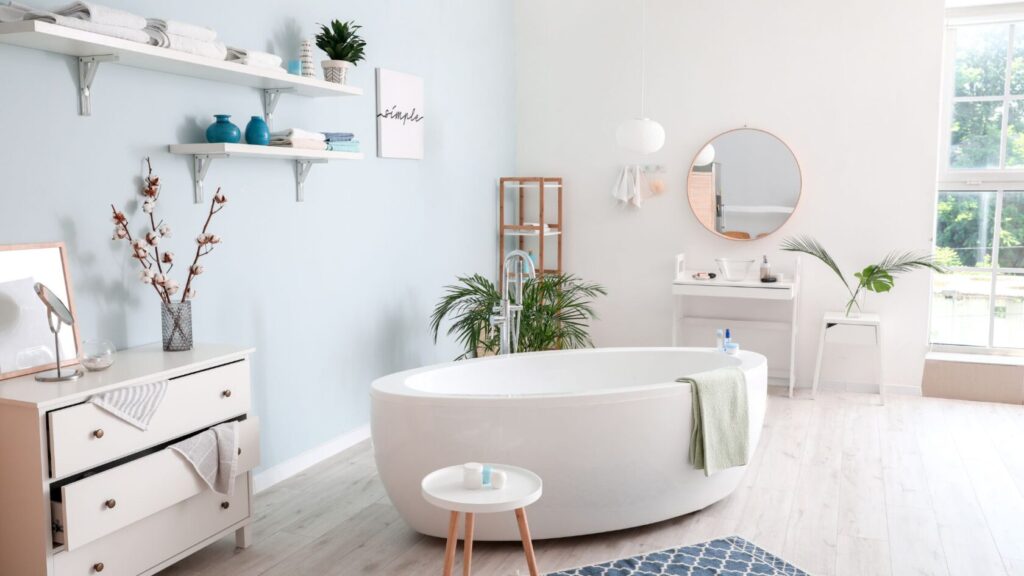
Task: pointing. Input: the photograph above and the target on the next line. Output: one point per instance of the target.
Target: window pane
(1009, 311)
(981, 59)
(1015, 135)
(1011, 235)
(1017, 65)
(960, 308)
(974, 142)
(964, 228)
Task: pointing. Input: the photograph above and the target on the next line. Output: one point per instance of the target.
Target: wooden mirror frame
(800, 190)
(73, 361)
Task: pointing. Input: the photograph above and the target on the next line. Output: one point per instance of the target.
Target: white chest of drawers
(84, 493)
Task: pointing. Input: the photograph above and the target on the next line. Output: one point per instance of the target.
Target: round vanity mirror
(744, 184)
(54, 304)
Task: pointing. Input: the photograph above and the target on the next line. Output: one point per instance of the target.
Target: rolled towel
(254, 58)
(303, 143)
(339, 136)
(297, 133)
(214, 50)
(185, 29)
(98, 14)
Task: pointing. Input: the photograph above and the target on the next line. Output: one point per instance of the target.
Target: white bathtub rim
(394, 387)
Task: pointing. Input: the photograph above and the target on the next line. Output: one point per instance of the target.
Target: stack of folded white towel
(254, 58)
(83, 16)
(185, 37)
(297, 138)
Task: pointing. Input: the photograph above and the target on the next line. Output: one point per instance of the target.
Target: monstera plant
(556, 314)
(878, 278)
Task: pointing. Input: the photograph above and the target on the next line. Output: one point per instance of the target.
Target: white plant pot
(335, 71)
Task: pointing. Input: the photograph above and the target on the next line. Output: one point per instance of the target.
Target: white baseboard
(285, 470)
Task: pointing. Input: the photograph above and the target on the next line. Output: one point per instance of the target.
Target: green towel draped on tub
(720, 437)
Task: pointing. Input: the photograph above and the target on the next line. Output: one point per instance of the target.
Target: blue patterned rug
(732, 556)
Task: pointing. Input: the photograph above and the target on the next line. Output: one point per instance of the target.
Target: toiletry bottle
(719, 340)
(766, 269)
(728, 338)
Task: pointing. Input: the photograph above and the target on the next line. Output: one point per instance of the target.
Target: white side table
(443, 488)
(832, 319)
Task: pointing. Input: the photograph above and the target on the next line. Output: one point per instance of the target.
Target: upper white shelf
(751, 288)
(62, 40)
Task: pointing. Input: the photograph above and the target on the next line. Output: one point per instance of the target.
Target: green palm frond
(812, 247)
(900, 262)
(557, 310)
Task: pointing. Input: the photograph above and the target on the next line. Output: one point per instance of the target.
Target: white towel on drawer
(214, 455)
(135, 405)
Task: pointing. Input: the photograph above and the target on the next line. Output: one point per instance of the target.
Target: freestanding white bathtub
(606, 429)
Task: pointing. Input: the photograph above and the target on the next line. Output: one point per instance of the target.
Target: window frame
(997, 181)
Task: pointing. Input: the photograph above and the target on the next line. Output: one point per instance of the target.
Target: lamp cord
(643, 58)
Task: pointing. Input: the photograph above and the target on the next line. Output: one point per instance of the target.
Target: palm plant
(878, 278)
(341, 41)
(556, 314)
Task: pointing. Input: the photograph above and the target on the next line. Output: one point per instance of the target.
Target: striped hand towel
(135, 405)
(214, 455)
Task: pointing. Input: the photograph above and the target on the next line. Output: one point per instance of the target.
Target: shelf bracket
(270, 98)
(302, 168)
(87, 67)
(200, 165)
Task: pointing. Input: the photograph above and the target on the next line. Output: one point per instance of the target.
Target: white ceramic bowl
(734, 269)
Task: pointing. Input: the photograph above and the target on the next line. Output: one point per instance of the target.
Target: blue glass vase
(223, 131)
(257, 132)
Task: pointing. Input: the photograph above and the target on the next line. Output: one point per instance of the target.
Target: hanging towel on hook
(632, 186)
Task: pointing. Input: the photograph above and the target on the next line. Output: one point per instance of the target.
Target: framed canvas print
(400, 115)
(26, 343)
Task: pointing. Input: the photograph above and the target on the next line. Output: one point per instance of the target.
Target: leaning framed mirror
(26, 340)
(744, 184)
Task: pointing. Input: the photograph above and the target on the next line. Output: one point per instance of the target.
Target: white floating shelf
(533, 233)
(92, 48)
(203, 154)
(741, 209)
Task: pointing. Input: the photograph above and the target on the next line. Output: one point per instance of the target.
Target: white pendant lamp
(641, 135)
(706, 156)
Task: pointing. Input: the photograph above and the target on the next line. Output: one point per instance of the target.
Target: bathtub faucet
(519, 267)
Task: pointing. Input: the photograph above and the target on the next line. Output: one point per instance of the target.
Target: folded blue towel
(337, 146)
(339, 136)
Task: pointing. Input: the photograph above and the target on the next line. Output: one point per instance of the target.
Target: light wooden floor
(839, 485)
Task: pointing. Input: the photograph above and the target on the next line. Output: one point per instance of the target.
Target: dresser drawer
(148, 543)
(85, 436)
(102, 504)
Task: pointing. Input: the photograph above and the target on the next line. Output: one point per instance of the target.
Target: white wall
(852, 87)
(333, 292)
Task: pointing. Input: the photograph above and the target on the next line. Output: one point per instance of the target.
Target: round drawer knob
(99, 433)
(98, 567)
(110, 503)
(225, 505)
(226, 394)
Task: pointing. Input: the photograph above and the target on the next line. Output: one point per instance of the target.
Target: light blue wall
(333, 292)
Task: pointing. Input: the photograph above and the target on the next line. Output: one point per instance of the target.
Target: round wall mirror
(744, 184)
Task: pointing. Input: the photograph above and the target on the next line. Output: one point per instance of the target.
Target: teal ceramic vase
(257, 132)
(223, 131)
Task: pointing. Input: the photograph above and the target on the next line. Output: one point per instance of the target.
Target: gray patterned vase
(177, 325)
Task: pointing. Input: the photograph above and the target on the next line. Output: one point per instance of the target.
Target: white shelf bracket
(87, 67)
(302, 168)
(200, 165)
(270, 98)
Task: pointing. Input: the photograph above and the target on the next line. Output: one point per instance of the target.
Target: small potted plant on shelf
(149, 248)
(343, 45)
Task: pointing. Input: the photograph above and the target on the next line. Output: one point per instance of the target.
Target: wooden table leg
(467, 543)
(453, 542)
(524, 533)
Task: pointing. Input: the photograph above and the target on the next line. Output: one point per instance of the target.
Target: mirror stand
(57, 375)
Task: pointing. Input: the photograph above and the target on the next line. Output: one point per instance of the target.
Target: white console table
(782, 293)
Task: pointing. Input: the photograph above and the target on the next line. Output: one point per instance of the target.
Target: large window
(979, 232)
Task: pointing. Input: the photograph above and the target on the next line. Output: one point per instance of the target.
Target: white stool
(833, 319)
(443, 488)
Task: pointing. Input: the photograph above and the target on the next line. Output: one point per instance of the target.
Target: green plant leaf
(875, 279)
